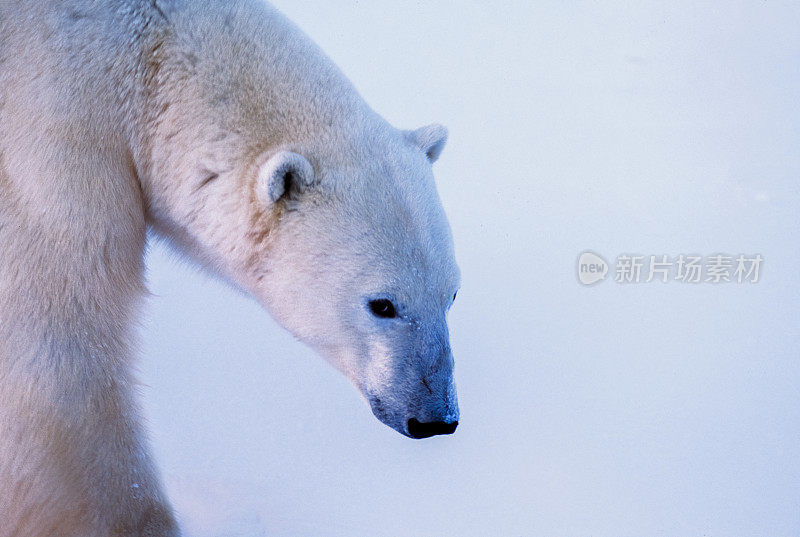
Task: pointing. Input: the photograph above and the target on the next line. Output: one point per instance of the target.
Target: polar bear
(221, 127)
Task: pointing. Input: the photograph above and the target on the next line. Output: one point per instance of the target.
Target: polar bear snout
(417, 412)
(429, 409)
(433, 412)
(417, 429)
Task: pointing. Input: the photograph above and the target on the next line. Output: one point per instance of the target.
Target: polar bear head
(360, 266)
(263, 163)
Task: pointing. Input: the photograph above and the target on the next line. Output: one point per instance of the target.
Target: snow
(610, 410)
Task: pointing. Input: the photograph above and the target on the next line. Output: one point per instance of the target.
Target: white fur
(184, 116)
(280, 169)
(431, 139)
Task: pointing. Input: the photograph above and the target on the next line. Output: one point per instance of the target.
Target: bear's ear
(283, 174)
(430, 139)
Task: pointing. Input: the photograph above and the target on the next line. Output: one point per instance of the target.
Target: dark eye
(455, 295)
(382, 308)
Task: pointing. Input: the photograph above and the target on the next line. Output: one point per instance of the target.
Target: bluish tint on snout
(417, 429)
(412, 389)
(437, 417)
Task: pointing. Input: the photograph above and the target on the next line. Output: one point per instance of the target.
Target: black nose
(417, 429)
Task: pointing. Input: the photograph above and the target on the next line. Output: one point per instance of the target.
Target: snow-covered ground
(613, 410)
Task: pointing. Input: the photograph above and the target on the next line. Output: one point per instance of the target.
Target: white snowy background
(640, 410)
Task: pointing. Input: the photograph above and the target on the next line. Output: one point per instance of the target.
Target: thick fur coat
(222, 128)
